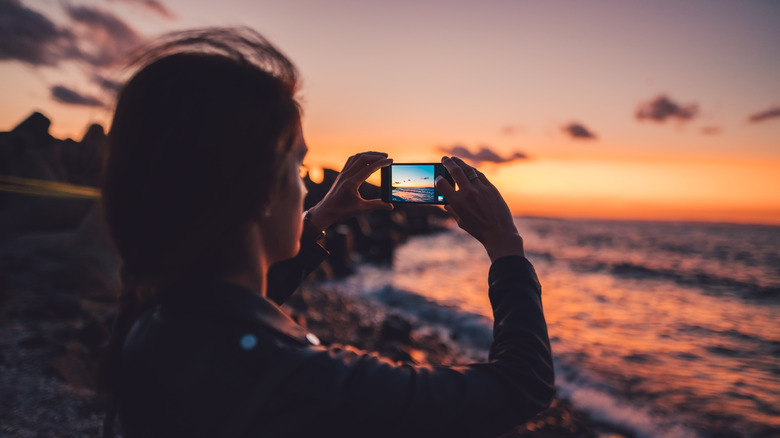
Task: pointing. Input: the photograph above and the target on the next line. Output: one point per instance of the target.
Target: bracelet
(310, 230)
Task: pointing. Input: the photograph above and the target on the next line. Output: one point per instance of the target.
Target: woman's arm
(342, 202)
(354, 393)
(284, 277)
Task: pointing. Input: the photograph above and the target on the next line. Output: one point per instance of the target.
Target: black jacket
(216, 359)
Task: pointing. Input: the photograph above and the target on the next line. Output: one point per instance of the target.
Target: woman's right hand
(343, 200)
(479, 209)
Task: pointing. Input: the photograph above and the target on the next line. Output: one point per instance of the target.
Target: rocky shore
(50, 343)
(51, 340)
(58, 285)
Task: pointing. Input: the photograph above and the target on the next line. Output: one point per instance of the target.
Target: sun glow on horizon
(557, 82)
(745, 191)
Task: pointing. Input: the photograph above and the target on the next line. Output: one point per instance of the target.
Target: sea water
(414, 194)
(665, 329)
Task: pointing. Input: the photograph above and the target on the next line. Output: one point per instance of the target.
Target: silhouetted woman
(202, 194)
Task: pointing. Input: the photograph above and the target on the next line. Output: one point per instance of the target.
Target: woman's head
(201, 139)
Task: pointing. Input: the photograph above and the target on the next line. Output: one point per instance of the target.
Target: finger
(467, 170)
(445, 188)
(456, 171)
(484, 179)
(378, 204)
(365, 172)
(354, 158)
(452, 213)
(349, 162)
(365, 159)
(370, 155)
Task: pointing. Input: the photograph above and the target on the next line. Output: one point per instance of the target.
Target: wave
(472, 330)
(710, 284)
(713, 284)
(414, 194)
(759, 347)
(615, 412)
(473, 333)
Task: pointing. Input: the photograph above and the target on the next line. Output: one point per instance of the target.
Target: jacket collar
(215, 298)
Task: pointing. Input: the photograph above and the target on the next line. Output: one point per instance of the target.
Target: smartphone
(413, 183)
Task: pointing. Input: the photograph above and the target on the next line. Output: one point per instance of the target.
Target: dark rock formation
(30, 152)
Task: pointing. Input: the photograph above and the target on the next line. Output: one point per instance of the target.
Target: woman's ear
(266, 210)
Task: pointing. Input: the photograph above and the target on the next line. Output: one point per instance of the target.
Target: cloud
(662, 108)
(711, 130)
(577, 130)
(70, 97)
(103, 37)
(29, 37)
(771, 113)
(93, 36)
(106, 84)
(153, 6)
(484, 155)
(511, 129)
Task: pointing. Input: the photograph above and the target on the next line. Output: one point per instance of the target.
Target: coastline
(58, 286)
(51, 341)
(340, 319)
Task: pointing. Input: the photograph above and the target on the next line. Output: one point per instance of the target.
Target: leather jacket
(216, 359)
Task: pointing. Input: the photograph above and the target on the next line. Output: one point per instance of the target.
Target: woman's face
(283, 226)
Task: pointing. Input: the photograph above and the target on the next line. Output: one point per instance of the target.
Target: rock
(29, 152)
(35, 341)
(396, 329)
(82, 161)
(52, 305)
(74, 366)
(93, 335)
(34, 130)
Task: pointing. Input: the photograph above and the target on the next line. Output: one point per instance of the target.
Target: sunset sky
(620, 109)
(412, 176)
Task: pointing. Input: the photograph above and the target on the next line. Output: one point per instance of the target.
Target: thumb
(378, 204)
(445, 188)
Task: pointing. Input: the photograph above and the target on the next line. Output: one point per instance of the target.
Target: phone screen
(413, 183)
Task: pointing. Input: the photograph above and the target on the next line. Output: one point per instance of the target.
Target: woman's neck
(252, 269)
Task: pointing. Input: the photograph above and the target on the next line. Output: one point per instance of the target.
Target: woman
(202, 195)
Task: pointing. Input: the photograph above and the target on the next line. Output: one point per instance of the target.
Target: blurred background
(637, 143)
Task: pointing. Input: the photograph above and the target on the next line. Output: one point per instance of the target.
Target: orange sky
(560, 82)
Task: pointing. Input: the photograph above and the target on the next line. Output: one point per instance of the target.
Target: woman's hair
(197, 145)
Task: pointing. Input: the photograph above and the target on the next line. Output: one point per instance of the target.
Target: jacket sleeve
(353, 393)
(284, 277)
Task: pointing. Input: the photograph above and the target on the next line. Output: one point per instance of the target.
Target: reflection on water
(414, 194)
(678, 321)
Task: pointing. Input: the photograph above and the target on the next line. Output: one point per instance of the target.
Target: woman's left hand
(343, 199)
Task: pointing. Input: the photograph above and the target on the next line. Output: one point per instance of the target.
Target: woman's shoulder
(203, 352)
(192, 316)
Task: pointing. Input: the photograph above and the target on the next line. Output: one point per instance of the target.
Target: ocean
(664, 329)
(414, 194)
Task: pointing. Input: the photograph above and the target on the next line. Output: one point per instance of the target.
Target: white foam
(472, 334)
(605, 407)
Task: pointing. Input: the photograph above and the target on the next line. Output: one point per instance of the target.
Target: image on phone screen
(414, 183)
